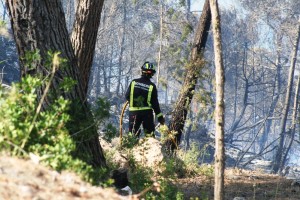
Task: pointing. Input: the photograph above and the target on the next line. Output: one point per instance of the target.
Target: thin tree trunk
(293, 125)
(220, 109)
(276, 93)
(187, 92)
(121, 45)
(278, 162)
(160, 44)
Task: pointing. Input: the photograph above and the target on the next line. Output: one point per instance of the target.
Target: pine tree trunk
(279, 161)
(187, 92)
(41, 26)
(84, 36)
(220, 109)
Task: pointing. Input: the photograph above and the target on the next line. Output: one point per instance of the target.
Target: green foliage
(182, 3)
(186, 164)
(17, 111)
(174, 168)
(53, 59)
(26, 129)
(129, 141)
(166, 134)
(101, 109)
(187, 29)
(3, 30)
(2, 23)
(83, 124)
(167, 191)
(170, 11)
(142, 177)
(156, 2)
(207, 170)
(110, 132)
(30, 59)
(67, 83)
(191, 160)
(48, 138)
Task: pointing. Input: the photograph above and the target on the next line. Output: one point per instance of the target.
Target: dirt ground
(252, 185)
(24, 179)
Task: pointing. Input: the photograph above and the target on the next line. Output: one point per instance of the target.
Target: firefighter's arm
(160, 118)
(156, 107)
(127, 94)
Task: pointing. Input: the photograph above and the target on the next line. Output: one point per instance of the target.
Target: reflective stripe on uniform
(131, 95)
(158, 115)
(131, 108)
(149, 95)
(139, 108)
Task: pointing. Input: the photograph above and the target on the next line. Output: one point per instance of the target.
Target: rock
(239, 198)
(111, 151)
(148, 152)
(127, 190)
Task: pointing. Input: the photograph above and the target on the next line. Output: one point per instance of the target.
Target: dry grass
(253, 185)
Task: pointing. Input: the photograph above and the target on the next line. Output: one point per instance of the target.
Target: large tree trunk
(220, 108)
(41, 26)
(84, 36)
(279, 157)
(182, 105)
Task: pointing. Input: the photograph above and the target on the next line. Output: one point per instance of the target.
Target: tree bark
(84, 36)
(279, 161)
(121, 38)
(160, 42)
(291, 130)
(220, 109)
(41, 26)
(187, 92)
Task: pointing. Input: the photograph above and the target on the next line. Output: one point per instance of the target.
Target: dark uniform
(142, 97)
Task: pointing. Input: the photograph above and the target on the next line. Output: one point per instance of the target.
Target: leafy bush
(26, 128)
(141, 177)
(110, 132)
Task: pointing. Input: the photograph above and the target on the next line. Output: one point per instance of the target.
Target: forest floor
(24, 179)
(254, 185)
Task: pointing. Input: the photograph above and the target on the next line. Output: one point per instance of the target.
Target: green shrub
(141, 177)
(110, 132)
(25, 128)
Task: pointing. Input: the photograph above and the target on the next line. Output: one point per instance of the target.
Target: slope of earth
(23, 179)
(244, 184)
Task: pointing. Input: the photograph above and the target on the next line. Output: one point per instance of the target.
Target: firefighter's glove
(161, 120)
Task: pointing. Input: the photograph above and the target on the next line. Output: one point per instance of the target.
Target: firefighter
(142, 97)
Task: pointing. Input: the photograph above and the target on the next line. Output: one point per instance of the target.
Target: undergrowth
(27, 128)
(182, 164)
(52, 134)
